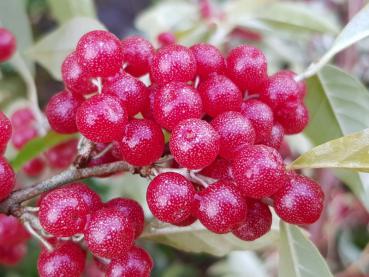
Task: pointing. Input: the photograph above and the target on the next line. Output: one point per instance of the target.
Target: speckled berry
(235, 132)
(300, 201)
(148, 110)
(186, 222)
(219, 94)
(11, 230)
(173, 63)
(166, 38)
(259, 171)
(7, 179)
(23, 135)
(276, 137)
(175, 102)
(5, 129)
(62, 155)
(21, 117)
(257, 223)
(301, 84)
(7, 44)
(34, 167)
(11, 255)
(220, 169)
(170, 197)
(294, 117)
(194, 144)
(89, 197)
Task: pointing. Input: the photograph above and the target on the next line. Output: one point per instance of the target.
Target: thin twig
(32, 231)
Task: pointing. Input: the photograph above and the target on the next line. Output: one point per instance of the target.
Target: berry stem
(98, 83)
(32, 231)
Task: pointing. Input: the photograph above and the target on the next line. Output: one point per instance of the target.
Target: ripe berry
(5, 129)
(300, 201)
(148, 110)
(257, 223)
(11, 230)
(280, 90)
(175, 102)
(62, 155)
(247, 67)
(220, 207)
(294, 117)
(235, 131)
(22, 117)
(259, 171)
(131, 210)
(109, 157)
(137, 263)
(67, 259)
(75, 78)
(131, 92)
(170, 197)
(276, 136)
(261, 117)
(142, 143)
(61, 112)
(137, 53)
(219, 94)
(166, 38)
(173, 63)
(7, 179)
(208, 59)
(108, 234)
(186, 222)
(89, 197)
(100, 53)
(22, 135)
(7, 44)
(101, 118)
(301, 84)
(220, 169)
(34, 167)
(194, 143)
(13, 253)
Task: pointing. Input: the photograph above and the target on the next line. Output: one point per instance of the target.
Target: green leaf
(36, 146)
(51, 50)
(196, 238)
(68, 9)
(298, 256)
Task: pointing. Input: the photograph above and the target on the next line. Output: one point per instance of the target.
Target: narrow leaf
(68, 9)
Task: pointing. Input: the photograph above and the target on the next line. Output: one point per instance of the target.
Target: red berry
(142, 143)
(22, 117)
(109, 157)
(100, 53)
(7, 44)
(173, 63)
(175, 102)
(137, 263)
(194, 143)
(75, 78)
(12, 254)
(131, 210)
(280, 90)
(166, 38)
(23, 135)
(131, 92)
(137, 53)
(67, 259)
(294, 117)
(276, 137)
(257, 223)
(247, 67)
(220, 207)
(148, 110)
(209, 59)
(301, 84)
(219, 94)
(235, 132)
(108, 234)
(259, 171)
(186, 222)
(101, 118)
(261, 117)
(170, 197)
(220, 169)
(300, 201)
(7, 179)
(5, 129)
(11, 231)
(62, 155)
(34, 167)
(61, 112)
(89, 197)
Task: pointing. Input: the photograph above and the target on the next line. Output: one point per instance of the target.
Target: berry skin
(75, 78)
(257, 223)
(131, 210)
(137, 263)
(247, 67)
(294, 117)
(301, 84)
(170, 197)
(219, 94)
(276, 136)
(137, 53)
(63, 212)
(7, 44)
(173, 63)
(23, 135)
(5, 129)
(101, 119)
(194, 143)
(261, 117)
(22, 117)
(166, 38)
(100, 53)
(7, 179)
(209, 59)
(131, 92)
(62, 155)
(280, 90)
(220, 169)
(300, 201)
(34, 167)
(61, 112)
(89, 197)
(235, 132)
(259, 171)
(148, 110)
(142, 143)
(67, 259)
(220, 207)
(186, 222)
(175, 102)
(12, 254)
(108, 234)
(11, 231)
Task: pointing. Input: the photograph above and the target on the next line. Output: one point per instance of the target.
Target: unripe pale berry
(7, 179)
(7, 44)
